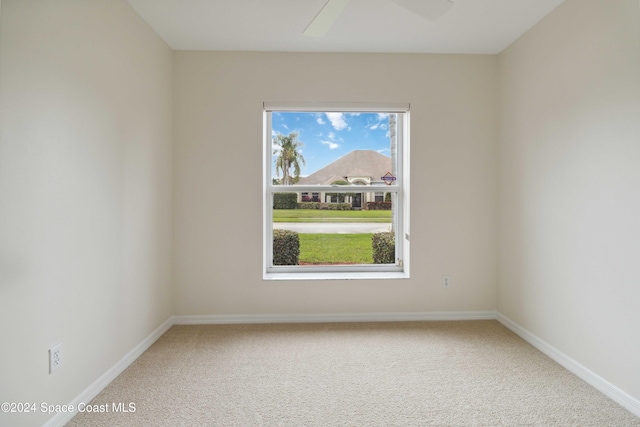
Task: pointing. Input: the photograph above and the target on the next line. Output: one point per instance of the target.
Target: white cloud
(337, 120)
(285, 126)
(332, 145)
(381, 126)
(381, 123)
(320, 121)
(331, 135)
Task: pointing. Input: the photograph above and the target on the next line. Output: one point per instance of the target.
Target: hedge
(285, 200)
(384, 247)
(308, 205)
(379, 206)
(286, 247)
(325, 206)
(336, 206)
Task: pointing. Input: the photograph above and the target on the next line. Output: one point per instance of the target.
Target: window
(336, 179)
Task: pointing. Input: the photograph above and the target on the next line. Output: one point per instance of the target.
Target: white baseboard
(605, 387)
(332, 317)
(596, 381)
(98, 385)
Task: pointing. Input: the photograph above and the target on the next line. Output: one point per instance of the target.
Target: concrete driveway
(333, 227)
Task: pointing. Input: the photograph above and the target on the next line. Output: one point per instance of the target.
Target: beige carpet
(472, 373)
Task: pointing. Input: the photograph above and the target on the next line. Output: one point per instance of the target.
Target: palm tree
(288, 156)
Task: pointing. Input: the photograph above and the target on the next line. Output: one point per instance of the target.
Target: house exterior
(359, 167)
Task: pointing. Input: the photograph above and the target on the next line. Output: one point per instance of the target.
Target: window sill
(333, 275)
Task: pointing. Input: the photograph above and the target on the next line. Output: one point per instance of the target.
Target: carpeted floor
(471, 373)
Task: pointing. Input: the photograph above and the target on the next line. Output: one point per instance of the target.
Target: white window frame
(399, 270)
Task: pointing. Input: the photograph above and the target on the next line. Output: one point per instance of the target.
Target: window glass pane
(336, 193)
(332, 148)
(333, 233)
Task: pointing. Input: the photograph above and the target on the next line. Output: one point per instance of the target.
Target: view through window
(336, 195)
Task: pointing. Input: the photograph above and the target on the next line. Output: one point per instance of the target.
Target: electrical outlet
(55, 357)
(446, 282)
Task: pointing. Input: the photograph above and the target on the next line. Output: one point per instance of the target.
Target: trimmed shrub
(384, 247)
(308, 205)
(325, 206)
(336, 206)
(285, 200)
(379, 206)
(286, 247)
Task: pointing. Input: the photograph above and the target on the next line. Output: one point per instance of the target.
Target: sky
(328, 136)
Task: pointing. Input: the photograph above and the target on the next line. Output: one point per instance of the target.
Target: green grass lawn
(318, 215)
(336, 249)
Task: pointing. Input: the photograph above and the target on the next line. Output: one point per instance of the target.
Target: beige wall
(85, 193)
(542, 140)
(218, 142)
(570, 185)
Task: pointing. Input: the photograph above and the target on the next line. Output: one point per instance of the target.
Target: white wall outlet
(446, 282)
(55, 357)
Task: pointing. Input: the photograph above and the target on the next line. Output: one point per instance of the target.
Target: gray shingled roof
(365, 162)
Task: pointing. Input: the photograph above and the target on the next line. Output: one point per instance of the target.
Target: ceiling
(470, 26)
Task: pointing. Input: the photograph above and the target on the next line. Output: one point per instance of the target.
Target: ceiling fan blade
(428, 9)
(325, 18)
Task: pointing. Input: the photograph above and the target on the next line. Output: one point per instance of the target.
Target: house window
(326, 167)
